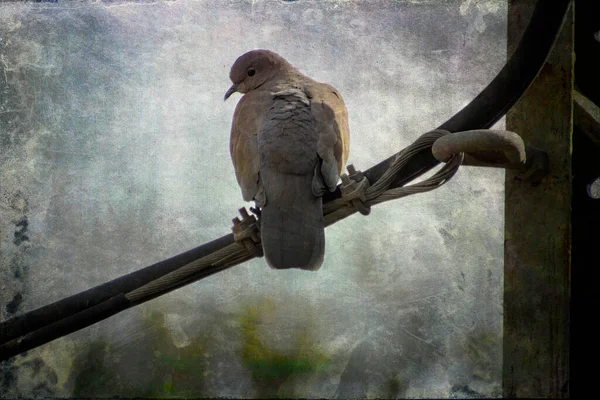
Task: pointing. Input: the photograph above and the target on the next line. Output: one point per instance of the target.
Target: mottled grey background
(115, 155)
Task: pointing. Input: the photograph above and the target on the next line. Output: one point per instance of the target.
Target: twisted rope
(379, 192)
(226, 257)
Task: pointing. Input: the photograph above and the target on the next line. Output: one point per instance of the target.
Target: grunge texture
(115, 154)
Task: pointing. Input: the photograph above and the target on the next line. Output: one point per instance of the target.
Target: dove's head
(254, 68)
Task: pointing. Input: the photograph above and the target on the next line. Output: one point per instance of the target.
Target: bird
(289, 144)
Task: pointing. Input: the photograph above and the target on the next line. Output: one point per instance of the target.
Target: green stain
(92, 375)
(183, 362)
(393, 387)
(179, 372)
(277, 366)
(270, 367)
(172, 371)
(159, 369)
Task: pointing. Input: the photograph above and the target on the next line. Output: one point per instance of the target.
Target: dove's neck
(284, 79)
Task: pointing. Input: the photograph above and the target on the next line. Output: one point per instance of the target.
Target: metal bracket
(536, 167)
(354, 188)
(246, 232)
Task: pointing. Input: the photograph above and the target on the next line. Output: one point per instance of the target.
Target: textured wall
(115, 155)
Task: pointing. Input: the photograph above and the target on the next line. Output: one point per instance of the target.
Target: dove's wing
(247, 123)
(333, 146)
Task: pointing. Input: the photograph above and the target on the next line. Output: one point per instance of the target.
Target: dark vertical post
(538, 227)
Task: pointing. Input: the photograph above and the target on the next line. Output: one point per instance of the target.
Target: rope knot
(354, 188)
(245, 232)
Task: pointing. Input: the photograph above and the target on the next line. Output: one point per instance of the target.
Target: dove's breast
(288, 138)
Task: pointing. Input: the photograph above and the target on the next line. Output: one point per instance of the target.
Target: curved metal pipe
(482, 147)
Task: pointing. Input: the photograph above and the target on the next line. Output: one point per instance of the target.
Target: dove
(289, 144)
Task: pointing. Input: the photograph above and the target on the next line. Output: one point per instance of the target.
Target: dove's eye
(251, 72)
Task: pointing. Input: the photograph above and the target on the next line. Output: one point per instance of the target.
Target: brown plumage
(289, 143)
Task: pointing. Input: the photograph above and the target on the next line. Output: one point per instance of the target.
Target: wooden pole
(538, 227)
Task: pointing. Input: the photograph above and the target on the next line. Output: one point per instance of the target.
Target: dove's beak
(231, 91)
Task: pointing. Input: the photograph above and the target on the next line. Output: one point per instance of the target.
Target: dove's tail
(292, 227)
